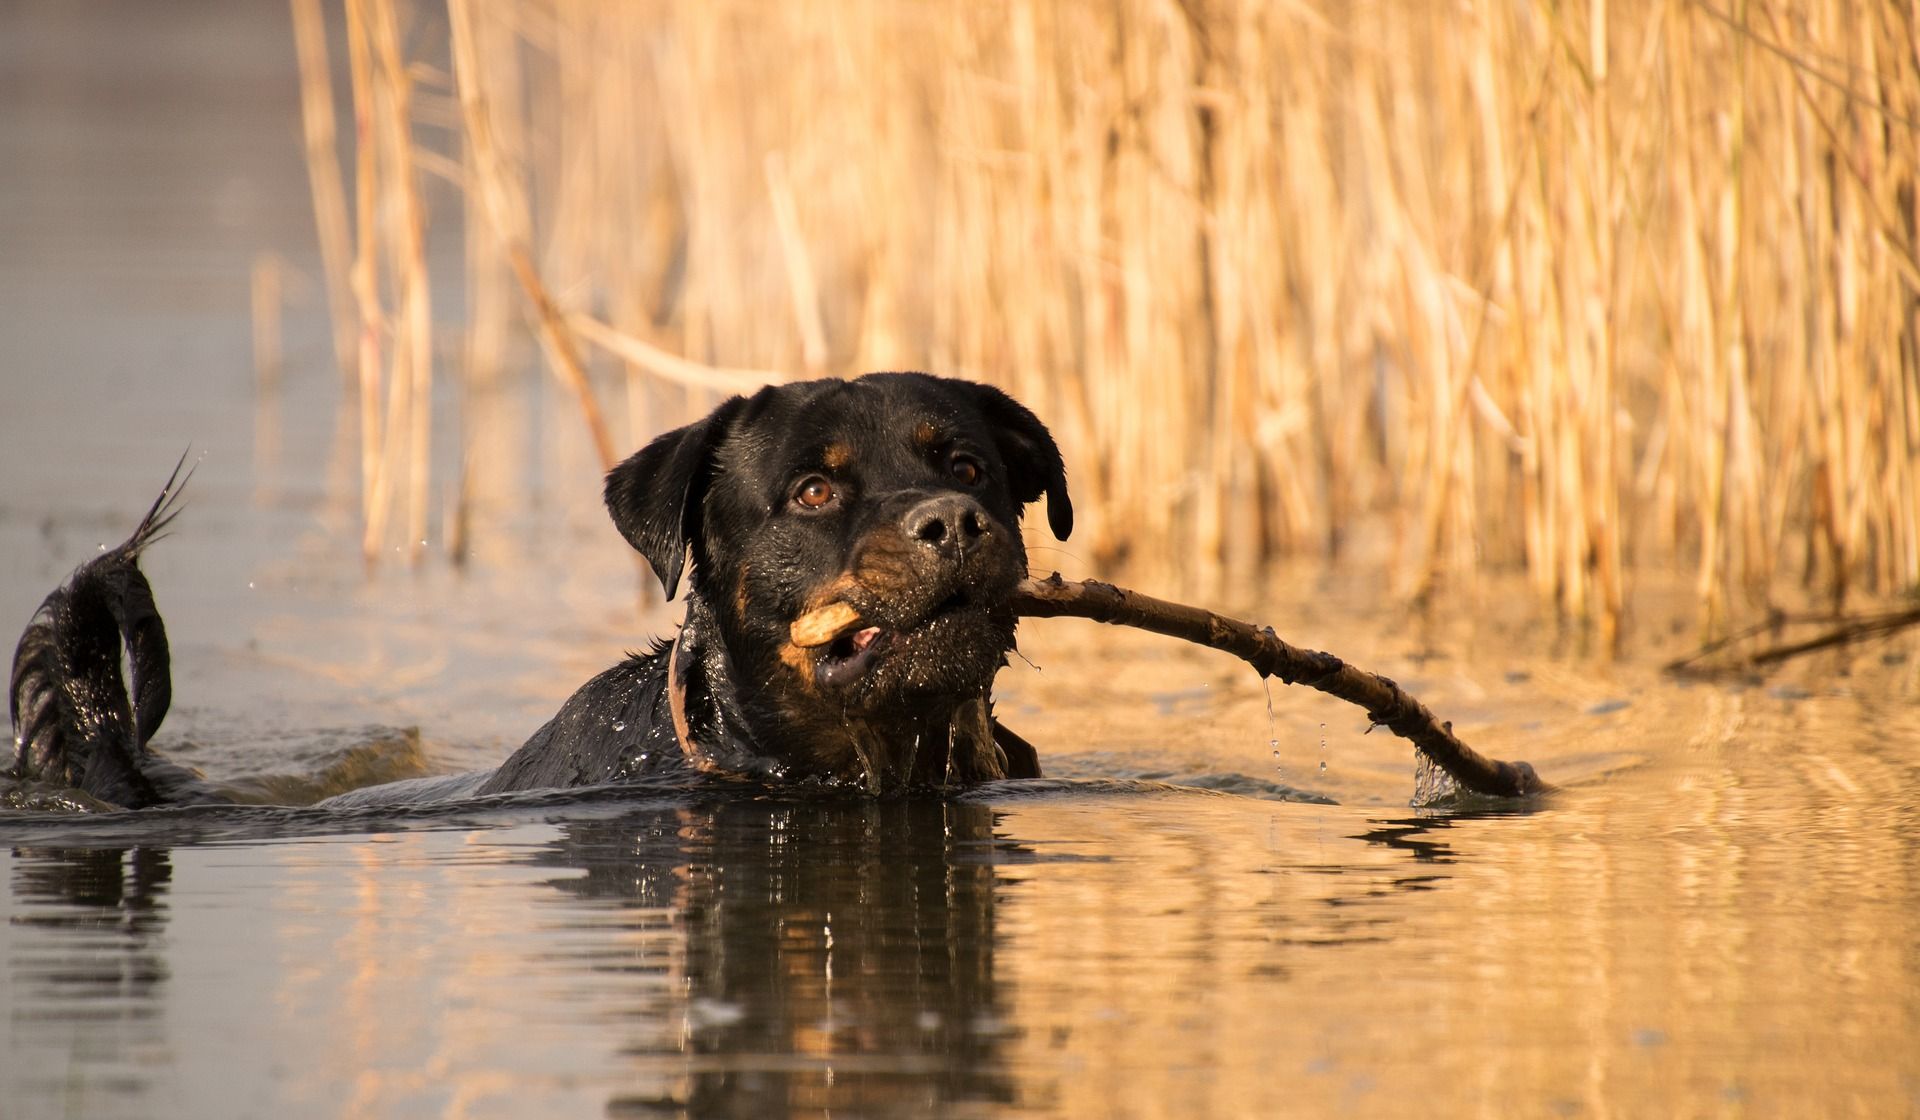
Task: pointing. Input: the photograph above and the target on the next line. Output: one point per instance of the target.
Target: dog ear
(655, 496)
(1033, 460)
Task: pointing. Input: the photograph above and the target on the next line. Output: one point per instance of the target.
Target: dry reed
(323, 169)
(268, 297)
(1588, 288)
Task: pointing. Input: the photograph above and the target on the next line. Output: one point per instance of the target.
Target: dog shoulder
(614, 728)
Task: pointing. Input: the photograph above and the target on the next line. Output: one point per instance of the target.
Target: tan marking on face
(925, 434)
(740, 596)
(837, 456)
(800, 661)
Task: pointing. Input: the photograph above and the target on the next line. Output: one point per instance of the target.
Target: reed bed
(1589, 289)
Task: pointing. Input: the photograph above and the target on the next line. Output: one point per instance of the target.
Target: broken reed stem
(269, 361)
(1386, 703)
(413, 343)
(507, 215)
(323, 173)
(1703, 664)
(365, 281)
(793, 249)
(668, 366)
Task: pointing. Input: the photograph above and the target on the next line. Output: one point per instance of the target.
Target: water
(1714, 918)
(1672, 938)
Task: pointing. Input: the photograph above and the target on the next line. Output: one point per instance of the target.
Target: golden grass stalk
(1593, 289)
(793, 250)
(365, 278)
(410, 412)
(323, 170)
(505, 212)
(267, 292)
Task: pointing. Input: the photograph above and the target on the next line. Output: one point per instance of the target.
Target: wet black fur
(76, 724)
(717, 492)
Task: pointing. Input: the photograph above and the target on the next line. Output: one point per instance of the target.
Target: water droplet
(1323, 766)
(423, 542)
(249, 585)
(1273, 733)
(619, 725)
(102, 547)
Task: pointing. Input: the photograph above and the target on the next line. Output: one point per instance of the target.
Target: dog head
(896, 495)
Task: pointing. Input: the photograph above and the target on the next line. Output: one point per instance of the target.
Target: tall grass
(1585, 288)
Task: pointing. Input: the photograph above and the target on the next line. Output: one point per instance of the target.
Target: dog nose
(951, 523)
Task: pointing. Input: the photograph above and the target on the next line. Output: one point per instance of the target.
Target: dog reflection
(832, 955)
(86, 974)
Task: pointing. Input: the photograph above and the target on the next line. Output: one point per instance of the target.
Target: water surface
(1715, 918)
(1723, 932)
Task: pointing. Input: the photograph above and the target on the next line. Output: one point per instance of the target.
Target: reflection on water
(751, 959)
(106, 905)
(85, 964)
(819, 957)
(1093, 951)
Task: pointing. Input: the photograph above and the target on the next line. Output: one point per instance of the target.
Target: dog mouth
(848, 657)
(848, 647)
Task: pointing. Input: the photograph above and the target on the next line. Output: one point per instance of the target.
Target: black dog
(898, 495)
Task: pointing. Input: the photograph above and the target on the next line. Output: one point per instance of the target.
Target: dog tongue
(864, 638)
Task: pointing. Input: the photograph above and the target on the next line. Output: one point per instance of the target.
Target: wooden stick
(823, 624)
(1387, 704)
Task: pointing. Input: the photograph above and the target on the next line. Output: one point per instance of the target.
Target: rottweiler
(893, 498)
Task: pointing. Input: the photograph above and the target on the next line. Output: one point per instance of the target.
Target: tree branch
(1704, 662)
(1386, 703)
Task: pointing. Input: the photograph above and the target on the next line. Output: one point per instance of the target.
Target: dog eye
(967, 470)
(813, 492)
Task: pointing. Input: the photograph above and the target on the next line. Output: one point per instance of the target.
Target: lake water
(1223, 906)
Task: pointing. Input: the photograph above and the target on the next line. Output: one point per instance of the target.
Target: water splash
(1273, 734)
(1432, 786)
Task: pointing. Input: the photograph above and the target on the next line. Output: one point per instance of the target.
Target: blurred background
(1605, 295)
(1582, 291)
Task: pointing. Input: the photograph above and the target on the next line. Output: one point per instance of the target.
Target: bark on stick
(1386, 703)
